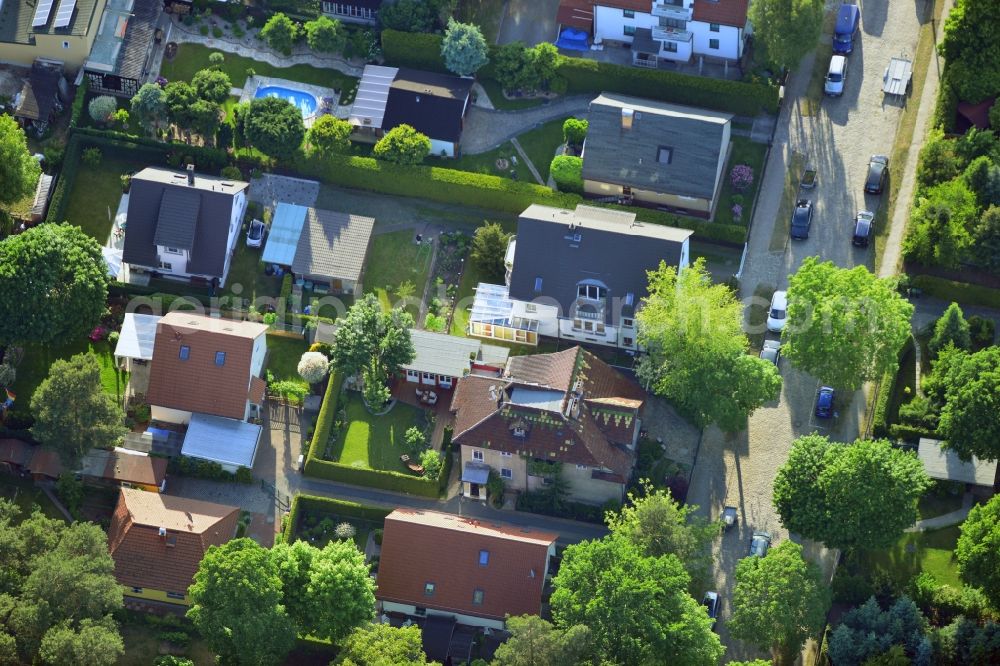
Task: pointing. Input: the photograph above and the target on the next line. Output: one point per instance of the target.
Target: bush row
(207, 469)
(65, 181)
(373, 478)
(537, 502)
(910, 433)
(324, 420)
(960, 292)
(413, 49)
(880, 428)
(171, 153)
(328, 505)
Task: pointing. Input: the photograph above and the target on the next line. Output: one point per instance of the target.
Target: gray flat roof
(333, 245)
(944, 464)
(225, 441)
(442, 354)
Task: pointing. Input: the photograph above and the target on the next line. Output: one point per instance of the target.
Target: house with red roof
(446, 568)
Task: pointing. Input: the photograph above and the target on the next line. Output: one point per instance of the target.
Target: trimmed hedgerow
(413, 49)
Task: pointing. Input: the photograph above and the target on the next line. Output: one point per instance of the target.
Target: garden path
(485, 129)
(527, 161)
(945, 520)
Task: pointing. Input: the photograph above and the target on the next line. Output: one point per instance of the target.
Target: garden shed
(943, 464)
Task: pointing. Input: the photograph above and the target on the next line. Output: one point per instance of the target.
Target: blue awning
(475, 473)
(283, 236)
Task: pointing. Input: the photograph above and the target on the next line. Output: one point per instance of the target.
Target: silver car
(255, 235)
(771, 351)
(759, 544)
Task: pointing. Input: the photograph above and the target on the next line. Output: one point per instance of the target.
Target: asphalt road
(739, 469)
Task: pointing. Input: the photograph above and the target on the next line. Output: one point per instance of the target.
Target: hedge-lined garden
(327, 506)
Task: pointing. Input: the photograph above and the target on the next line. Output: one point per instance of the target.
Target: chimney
(190, 172)
(627, 118)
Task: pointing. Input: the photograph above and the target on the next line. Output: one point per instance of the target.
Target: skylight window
(484, 558)
(664, 154)
(184, 353)
(220, 358)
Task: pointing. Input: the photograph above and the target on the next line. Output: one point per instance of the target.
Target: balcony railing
(671, 34)
(666, 10)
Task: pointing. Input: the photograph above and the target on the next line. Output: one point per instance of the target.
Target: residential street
(740, 469)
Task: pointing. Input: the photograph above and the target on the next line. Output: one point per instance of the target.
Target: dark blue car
(824, 402)
(848, 22)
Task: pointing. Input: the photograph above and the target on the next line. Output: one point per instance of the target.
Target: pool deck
(319, 92)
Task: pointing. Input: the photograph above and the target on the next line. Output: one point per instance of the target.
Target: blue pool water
(301, 100)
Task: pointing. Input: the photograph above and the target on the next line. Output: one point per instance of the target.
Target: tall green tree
(383, 645)
(180, 96)
(575, 131)
(95, 643)
(372, 342)
(149, 106)
(950, 329)
(416, 15)
(697, 350)
(637, 607)
(72, 412)
(212, 85)
(941, 225)
(986, 248)
(867, 633)
(325, 35)
(779, 601)
(845, 326)
(330, 135)
(19, 171)
(535, 641)
(489, 248)
(938, 162)
(788, 29)
(971, 48)
(274, 126)
(205, 117)
(53, 284)
(237, 604)
(280, 33)
(966, 387)
(849, 496)
(464, 48)
(403, 145)
(978, 549)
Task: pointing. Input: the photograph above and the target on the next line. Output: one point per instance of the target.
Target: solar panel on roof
(65, 13)
(42, 12)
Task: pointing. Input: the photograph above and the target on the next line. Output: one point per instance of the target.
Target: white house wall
(258, 354)
(446, 147)
(168, 415)
(610, 22)
(461, 618)
(730, 44)
(235, 226)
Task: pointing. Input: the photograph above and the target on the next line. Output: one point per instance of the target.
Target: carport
(231, 443)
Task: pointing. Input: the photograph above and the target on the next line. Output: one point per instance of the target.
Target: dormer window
(519, 431)
(591, 292)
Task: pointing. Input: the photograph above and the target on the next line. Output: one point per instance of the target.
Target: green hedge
(373, 478)
(172, 153)
(880, 428)
(959, 292)
(412, 49)
(65, 181)
(590, 76)
(328, 505)
(76, 110)
(910, 433)
(324, 421)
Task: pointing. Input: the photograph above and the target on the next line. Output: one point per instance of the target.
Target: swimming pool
(305, 102)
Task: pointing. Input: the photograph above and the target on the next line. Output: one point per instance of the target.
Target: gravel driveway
(740, 469)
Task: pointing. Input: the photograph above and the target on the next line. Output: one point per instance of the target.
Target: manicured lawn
(540, 144)
(394, 259)
(916, 552)
(37, 359)
(745, 151)
(26, 495)
(192, 58)
(487, 14)
(246, 271)
(96, 191)
(283, 356)
(375, 442)
(487, 163)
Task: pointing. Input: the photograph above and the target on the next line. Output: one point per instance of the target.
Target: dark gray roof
(563, 247)
(178, 218)
(138, 38)
(38, 96)
(211, 234)
(643, 42)
(332, 245)
(693, 137)
(433, 104)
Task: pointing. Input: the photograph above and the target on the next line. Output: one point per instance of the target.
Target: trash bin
(301, 464)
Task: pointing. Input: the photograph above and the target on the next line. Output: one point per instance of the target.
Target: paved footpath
(485, 130)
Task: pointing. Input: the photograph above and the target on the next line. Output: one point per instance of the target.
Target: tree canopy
(180, 96)
(464, 48)
(940, 225)
(868, 631)
(489, 248)
(19, 171)
(535, 641)
(637, 607)
(849, 496)
(383, 645)
(971, 48)
(697, 350)
(274, 126)
(149, 106)
(72, 412)
(950, 329)
(779, 601)
(788, 29)
(53, 284)
(280, 33)
(403, 145)
(416, 15)
(978, 549)
(845, 326)
(329, 135)
(212, 85)
(237, 604)
(325, 35)
(966, 387)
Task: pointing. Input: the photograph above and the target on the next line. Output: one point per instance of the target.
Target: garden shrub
(567, 171)
(77, 108)
(538, 502)
(179, 638)
(231, 172)
(575, 131)
(982, 331)
(886, 388)
(851, 589)
(101, 108)
(244, 475)
(92, 157)
(286, 287)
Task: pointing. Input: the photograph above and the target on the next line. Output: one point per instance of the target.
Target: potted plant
(126, 182)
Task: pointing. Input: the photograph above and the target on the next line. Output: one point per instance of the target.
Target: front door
(474, 490)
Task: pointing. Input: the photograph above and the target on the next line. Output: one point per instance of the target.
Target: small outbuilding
(943, 464)
(230, 442)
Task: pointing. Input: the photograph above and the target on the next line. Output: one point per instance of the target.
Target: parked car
(864, 221)
(759, 544)
(836, 74)
(878, 171)
(847, 28)
(802, 218)
(824, 402)
(255, 234)
(711, 603)
(729, 517)
(771, 351)
(777, 313)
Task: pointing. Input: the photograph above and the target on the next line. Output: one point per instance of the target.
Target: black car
(863, 223)
(802, 219)
(878, 171)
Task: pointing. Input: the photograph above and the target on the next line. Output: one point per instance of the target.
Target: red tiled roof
(726, 12)
(45, 462)
(144, 559)
(15, 451)
(135, 469)
(198, 384)
(420, 547)
(257, 388)
(577, 14)
(636, 5)
(554, 371)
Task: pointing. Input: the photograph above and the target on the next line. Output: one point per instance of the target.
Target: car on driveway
(802, 218)
(778, 311)
(759, 544)
(835, 76)
(824, 402)
(771, 351)
(711, 603)
(864, 221)
(878, 171)
(255, 234)
(847, 28)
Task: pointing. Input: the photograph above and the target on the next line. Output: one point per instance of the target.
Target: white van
(835, 76)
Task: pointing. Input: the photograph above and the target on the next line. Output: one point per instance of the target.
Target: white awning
(229, 442)
(137, 336)
(283, 236)
(368, 109)
(113, 259)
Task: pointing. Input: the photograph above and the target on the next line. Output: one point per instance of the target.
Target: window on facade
(664, 154)
(220, 358)
(670, 47)
(429, 589)
(506, 473)
(530, 307)
(600, 327)
(713, 27)
(419, 610)
(173, 250)
(629, 30)
(628, 342)
(137, 590)
(477, 455)
(484, 558)
(477, 597)
(65, 45)
(627, 323)
(185, 353)
(628, 13)
(507, 454)
(166, 265)
(175, 595)
(412, 373)
(588, 325)
(538, 284)
(713, 43)
(591, 291)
